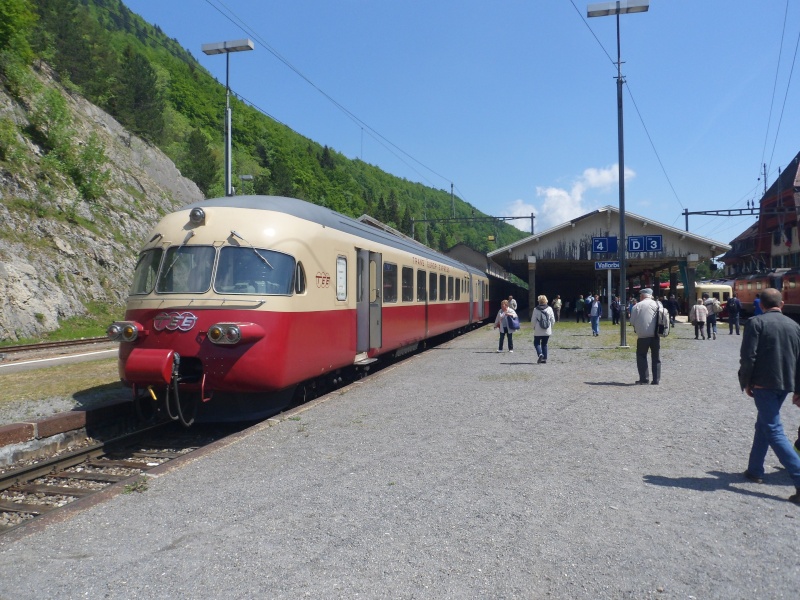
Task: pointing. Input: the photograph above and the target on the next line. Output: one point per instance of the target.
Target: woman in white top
(501, 322)
(543, 319)
(698, 316)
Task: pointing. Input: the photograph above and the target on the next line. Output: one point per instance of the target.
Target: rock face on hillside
(52, 267)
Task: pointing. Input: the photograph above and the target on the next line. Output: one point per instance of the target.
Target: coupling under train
(239, 304)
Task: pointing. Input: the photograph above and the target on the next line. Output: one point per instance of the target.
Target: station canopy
(568, 252)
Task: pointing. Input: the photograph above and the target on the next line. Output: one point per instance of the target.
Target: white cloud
(519, 208)
(560, 205)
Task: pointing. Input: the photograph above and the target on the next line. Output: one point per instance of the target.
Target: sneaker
(499, 350)
(754, 478)
(544, 362)
(541, 359)
(642, 382)
(715, 336)
(795, 498)
(511, 351)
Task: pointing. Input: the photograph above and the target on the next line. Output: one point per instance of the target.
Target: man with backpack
(645, 319)
(714, 308)
(734, 310)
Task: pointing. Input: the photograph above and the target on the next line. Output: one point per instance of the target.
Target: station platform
(457, 473)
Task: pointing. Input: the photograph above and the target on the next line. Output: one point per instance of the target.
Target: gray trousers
(653, 344)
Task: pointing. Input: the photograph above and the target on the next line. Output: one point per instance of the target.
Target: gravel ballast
(459, 473)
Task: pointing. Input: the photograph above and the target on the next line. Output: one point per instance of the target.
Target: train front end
(209, 315)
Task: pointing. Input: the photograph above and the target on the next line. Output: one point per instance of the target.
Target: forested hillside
(159, 92)
(97, 109)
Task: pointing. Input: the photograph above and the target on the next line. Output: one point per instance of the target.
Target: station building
(565, 260)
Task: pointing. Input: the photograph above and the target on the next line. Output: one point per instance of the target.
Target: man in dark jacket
(734, 311)
(672, 308)
(769, 369)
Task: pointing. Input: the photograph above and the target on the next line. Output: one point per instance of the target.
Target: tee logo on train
(174, 320)
(323, 280)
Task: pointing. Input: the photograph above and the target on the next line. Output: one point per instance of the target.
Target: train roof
(332, 219)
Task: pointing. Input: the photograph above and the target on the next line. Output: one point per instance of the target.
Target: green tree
(17, 21)
(138, 103)
(199, 163)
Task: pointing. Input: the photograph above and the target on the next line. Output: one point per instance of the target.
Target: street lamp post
(226, 48)
(603, 9)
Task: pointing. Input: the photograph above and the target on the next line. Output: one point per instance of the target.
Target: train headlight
(114, 332)
(225, 333)
(123, 331)
(228, 334)
(197, 216)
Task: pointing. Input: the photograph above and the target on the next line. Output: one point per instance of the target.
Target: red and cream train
(239, 302)
(787, 280)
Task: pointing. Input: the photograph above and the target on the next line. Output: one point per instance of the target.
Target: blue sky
(515, 103)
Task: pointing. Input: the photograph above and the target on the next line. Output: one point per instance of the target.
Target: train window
(299, 279)
(389, 282)
(422, 293)
(144, 277)
(791, 283)
(459, 283)
(341, 278)
(186, 270)
(450, 286)
(373, 281)
(247, 270)
(408, 284)
(432, 290)
(359, 278)
(758, 285)
(442, 287)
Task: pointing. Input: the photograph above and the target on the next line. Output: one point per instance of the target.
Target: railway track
(31, 490)
(44, 346)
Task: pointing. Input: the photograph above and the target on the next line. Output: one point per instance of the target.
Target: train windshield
(247, 270)
(186, 270)
(144, 277)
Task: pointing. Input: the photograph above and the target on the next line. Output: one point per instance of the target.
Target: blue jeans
(711, 324)
(595, 324)
(770, 434)
(734, 320)
(540, 343)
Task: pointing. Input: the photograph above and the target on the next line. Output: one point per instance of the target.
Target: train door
(481, 299)
(471, 301)
(375, 300)
(369, 287)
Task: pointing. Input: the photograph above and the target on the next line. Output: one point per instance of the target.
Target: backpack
(716, 307)
(662, 321)
(542, 319)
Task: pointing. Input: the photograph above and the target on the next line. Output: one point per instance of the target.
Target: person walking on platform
(512, 303)
(543, 319)
(714, 308)
(595, 312)
(698, 316)
(672, 309)
(557, 308)
(734, 311)
(501, 323)
(644, 319)
(580, 315)
(757, 310)
(769, 370)
(616, 309)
